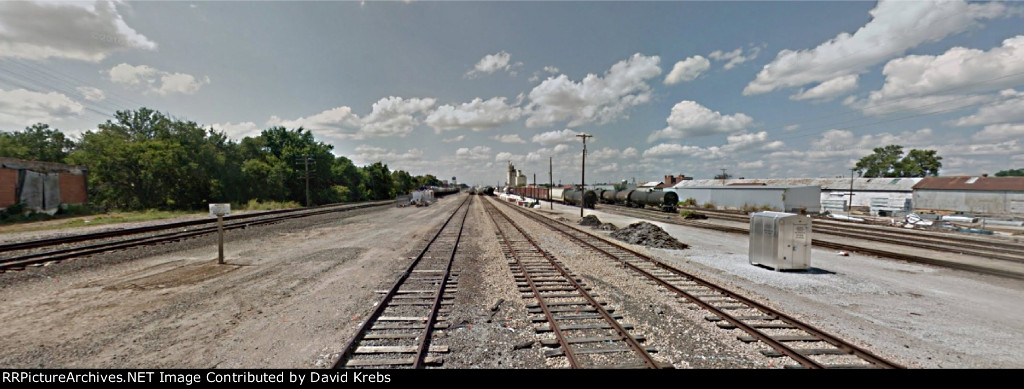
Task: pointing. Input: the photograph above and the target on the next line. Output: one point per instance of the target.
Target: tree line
(143, 159)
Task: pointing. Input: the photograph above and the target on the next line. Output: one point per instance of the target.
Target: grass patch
(42, 222)
(255, 205)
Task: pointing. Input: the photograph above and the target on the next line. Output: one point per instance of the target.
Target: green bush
(709, 205)
(689, 202)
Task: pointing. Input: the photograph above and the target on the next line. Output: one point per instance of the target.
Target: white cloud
(551, 69)
(455, 139)
(475, 153)
(507, 156)
(791, 127)
(340, 121)
(238, 130)
(748, 141)
(1000, 132)
(1009, 110)
(630, 152)
(154, 80)
(74, 30)
(91, 93)
(952, 73)
(734, 57)
(513, 138)
(608, 168)
(828, 90)
(477, 115)
(555, 137)
(690, 119)
(669, 150)
(895, 27)
(20, 107)
(491, 63)
(369, 154)
(594, 99)
(687, 70)
(394, 116)
(751, 165)
(604, 153)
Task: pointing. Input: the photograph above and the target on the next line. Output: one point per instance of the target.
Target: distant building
(671, 181)
(515, 177)
(869, 194)
(796, 199)
(41, 186)
(981, 195)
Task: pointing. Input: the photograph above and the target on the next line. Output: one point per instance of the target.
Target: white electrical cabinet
(780, 240)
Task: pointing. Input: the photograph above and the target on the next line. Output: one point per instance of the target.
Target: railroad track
(785, 336)
(585, 331)
(398, 332)
(38, 252)
(675, 219)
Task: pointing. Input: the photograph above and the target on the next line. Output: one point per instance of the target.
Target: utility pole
(583, 170)
(849, 209)
(305, 160)
(551, 179)
(723, 177)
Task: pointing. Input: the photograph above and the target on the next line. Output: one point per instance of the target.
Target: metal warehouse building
(41, 186)
(874, 193)
(977, 195)
(779, 198)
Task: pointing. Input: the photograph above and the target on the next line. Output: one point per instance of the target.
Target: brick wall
(72, 189)
(8, 187)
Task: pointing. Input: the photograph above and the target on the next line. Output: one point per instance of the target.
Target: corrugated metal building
(977, 195)
(777, 198)
(874, 193)
(41, 186)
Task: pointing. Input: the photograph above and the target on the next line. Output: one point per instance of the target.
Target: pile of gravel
(647, 234)
(607, 227)
(590, 220)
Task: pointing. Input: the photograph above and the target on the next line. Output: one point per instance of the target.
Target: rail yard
(475, 281)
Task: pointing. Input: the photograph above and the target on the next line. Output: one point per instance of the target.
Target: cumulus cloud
(690, 119)
(91, 93)
(513, 138)
(455, 139)
(491, 63)
(157, 81)
(828, 90)
(608, 168)
(20, 107)
(73, 30)
(1010, 109)
(475, 153)
(670, 150)
(595, 98)
(895, 27)
(918, 79)
(687, 70)
(338, 120)
(1000, 132)
(394, 116)
(366, 154)
(734, 57)
(476, 115)
(630, 152)
(555, 137)
(238, 130)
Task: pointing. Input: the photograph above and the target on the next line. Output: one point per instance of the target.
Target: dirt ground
(294, 293)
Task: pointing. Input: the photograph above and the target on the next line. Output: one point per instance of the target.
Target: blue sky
(762, 89)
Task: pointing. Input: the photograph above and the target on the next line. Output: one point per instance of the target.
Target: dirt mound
(590, 220)
(647, 234)
(607, 227)
(562, 219)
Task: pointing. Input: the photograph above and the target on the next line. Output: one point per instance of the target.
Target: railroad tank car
(622, 196)
(441, 192)
(665, 201)
(575, 197)
(607, 197)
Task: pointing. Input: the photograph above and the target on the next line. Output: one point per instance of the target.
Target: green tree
(37, 143)
(378, 183)
(1010, 173)
(889, 161)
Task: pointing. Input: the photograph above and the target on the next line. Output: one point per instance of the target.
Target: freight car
(576, 197)
(441, 192)
(665, 201)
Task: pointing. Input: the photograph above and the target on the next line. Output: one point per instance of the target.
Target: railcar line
(399, 330)
(586, 332)
(175, 232)
(660, 216)
(786, 336)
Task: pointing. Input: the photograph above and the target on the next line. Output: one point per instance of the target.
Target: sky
(762, 89)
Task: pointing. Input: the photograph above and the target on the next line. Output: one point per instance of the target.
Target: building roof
(40, 166)
(651, 184)
(746, 187)
(826, 184)
(1015, 184)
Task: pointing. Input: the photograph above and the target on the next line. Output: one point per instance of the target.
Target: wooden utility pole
(849, 208)
(583, 170)
(551, 201)
(305, 160)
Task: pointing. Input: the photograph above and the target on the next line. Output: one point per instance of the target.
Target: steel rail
(648, 360)
(350, 347)
(778, 346)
